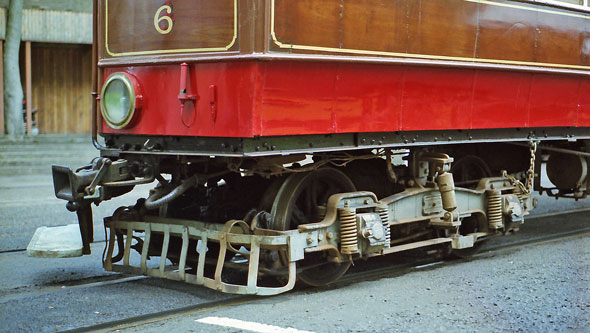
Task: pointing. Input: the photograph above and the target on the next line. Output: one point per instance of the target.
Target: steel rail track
(348, 279)
(506, 247)
(12, 251)
(401, 269)
(168, 314)
(571, 211)
(90, 282)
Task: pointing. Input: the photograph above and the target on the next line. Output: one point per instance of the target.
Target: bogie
(332, 219)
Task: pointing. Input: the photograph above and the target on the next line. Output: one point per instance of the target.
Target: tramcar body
(281, 68)
(197, 89)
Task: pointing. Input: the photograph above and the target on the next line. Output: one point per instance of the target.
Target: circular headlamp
(119, 100)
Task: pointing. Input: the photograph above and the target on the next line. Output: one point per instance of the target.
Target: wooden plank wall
(61, 87)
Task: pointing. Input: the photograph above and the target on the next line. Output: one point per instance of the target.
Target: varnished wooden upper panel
(362, 17)
(436, 28)
(311, 22)
(485, 31)
(506, 33)
(137, 28)
(492, 32)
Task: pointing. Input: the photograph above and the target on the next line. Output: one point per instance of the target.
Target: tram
(287, 139)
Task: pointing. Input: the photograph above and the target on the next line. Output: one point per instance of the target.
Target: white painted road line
(247, 325)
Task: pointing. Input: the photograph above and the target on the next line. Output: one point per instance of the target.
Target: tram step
(56, 242)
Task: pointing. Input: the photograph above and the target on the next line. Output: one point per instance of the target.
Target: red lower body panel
(247, 99)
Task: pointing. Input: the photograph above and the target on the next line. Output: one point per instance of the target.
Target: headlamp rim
(132, 105)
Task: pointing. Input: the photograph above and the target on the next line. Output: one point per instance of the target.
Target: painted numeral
(166, 17)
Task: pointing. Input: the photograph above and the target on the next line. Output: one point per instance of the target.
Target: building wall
(62, 5)
(61, 83)
(52, 26)
(61, 34)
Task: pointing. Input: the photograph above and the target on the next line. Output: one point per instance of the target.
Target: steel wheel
(298, 202)
(468, 170)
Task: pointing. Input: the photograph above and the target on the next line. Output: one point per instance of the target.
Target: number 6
(158, 19)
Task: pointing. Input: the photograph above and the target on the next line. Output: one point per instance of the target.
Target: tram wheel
(298, 202)
(468, 170)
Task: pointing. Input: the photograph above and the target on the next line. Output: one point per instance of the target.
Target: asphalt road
(540, 287)
(536, 289)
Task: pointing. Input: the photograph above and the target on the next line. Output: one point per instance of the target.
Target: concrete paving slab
(56, 242)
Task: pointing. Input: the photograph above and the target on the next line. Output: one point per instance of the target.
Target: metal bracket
(462, 242)
(183, 96)
(101, 172)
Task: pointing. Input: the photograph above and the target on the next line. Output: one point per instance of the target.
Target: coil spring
(494, 209)
(384, 214)
(348, 232)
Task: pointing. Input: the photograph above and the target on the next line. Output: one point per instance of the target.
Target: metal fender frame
(228, 237)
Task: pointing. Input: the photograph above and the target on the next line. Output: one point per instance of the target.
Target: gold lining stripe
(430, 56)
(532, 9)
(209, 49)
